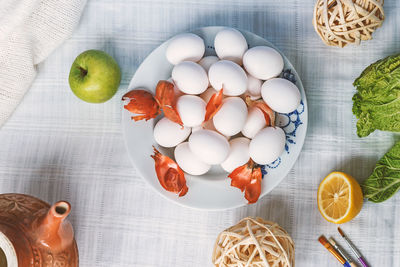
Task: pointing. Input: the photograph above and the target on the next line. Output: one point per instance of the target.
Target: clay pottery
(33, 234)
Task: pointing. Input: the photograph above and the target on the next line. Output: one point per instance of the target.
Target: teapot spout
(54, 231)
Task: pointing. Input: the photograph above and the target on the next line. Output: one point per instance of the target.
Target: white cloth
(56, 146)
(29, 31)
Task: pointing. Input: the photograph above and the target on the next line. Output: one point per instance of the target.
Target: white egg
(188, 161)
(169, 134)
(254, 123)
(190, 78)
(281, 95)
(230, 44)
(185, 47)
(231, 117)
(208, 125)
(206, 62)
(253, 87)
(197, 128)
(207, 94)
(211, 147)
(267, 145)
(263, 62)
(238, 154)
(191, 109)
(229, 76)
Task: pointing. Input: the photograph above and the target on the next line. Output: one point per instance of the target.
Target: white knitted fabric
(29, 31)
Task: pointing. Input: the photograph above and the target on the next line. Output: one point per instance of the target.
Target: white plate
(211, 191)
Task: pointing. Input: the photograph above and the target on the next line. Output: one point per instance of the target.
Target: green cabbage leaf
(376, 104)
(384, 181)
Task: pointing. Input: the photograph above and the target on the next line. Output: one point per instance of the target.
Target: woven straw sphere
(254, 242)
(341, 22)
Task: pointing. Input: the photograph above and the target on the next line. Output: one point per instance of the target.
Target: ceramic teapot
(33, 234)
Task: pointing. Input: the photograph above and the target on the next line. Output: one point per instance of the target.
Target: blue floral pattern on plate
(289, 122)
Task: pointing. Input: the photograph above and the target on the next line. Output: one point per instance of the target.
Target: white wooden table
(58, 147)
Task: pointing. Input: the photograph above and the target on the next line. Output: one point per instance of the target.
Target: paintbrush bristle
(322, 240)
(340, 232)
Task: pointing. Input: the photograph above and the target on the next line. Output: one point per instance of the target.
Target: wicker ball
(254, 242)
(342, 22)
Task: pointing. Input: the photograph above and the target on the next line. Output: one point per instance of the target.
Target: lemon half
(340, 198)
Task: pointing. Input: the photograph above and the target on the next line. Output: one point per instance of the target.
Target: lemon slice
(339, 198)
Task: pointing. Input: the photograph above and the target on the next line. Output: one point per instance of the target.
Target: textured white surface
(29, 31)
(57, 147)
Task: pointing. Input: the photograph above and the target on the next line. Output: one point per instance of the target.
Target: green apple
(94, 76)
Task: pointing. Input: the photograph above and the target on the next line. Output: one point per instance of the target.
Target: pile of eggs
(236, 133)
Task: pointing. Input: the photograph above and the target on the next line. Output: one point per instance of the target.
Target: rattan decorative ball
(254, 242)
(342, 22)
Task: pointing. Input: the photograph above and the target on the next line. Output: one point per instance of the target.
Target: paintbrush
(342, 252)
(333, 251)
(353, 248)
